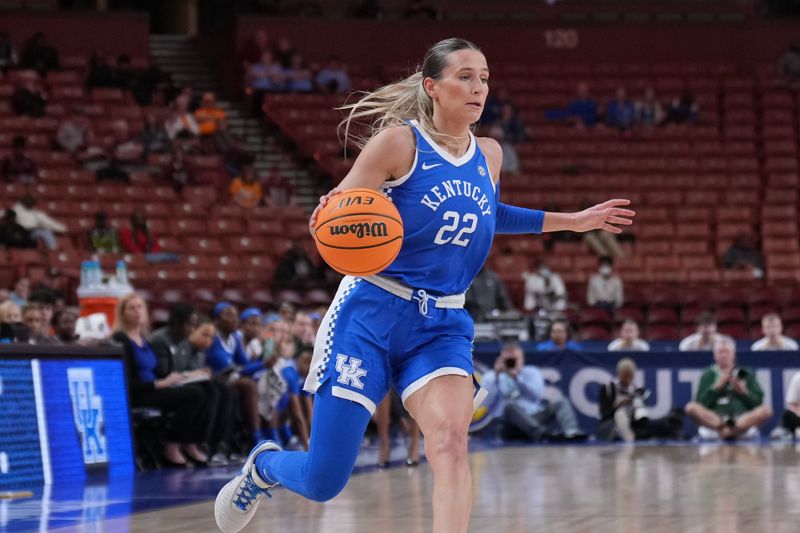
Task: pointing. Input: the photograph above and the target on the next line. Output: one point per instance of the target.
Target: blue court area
(100, 499)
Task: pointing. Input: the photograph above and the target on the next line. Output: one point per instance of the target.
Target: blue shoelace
(248, 493)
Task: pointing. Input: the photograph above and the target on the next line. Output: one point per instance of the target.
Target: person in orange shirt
(246, 189)
(210, 118)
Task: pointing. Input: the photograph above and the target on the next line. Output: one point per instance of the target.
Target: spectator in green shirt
(102, 237)
(729, 399)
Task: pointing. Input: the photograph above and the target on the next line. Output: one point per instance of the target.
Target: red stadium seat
(662, 315)
(594, 333)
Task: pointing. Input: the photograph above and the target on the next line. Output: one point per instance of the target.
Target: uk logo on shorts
(350, 371)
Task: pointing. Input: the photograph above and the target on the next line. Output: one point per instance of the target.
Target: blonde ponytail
(391, 105)
(396, 103)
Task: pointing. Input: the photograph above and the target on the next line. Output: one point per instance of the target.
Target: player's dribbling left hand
(323, 201)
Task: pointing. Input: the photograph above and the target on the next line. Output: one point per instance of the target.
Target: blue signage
(20, 450)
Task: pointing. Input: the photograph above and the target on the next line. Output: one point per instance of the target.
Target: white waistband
(452, 301)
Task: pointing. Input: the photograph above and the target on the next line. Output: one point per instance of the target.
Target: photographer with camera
(516, 404)
(729, 399)
(623, 414)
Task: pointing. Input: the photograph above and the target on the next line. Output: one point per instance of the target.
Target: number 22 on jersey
(447, 233)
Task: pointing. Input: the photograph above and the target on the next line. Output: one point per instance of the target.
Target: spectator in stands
(649, 111)
(125, 155)
(333, 78)
(582, 111)
(791, 416)
(704, 338)
(629, 340)
(10, 313)
(254, 48)
(246, 189)
(789, 67)
(64, 322)
(544, 289)
(33, 317)
(602, 243)
(148, 388)
(559, 339)
(683, 110)
(773, 339)
(296, 270)
(22, 290)
(102, 237)
(39, 55)
(744, 254)
(12, 235)
(284, 52)
(179, 173)
(623, 414)
(620, 112)
(290, 406)
(154, 137)
(100, 73)
(180, 347)
(417, 9)
(180, 123)
(729, 398)
(18, 167)
(210, 118)
(29, 99)
(265, 76)
(124, 76)
(487, 296)
(510, 166)
(299, 78)
(228, 360)
(74, 134)
(8, 53)
(45, 298)
(3, 295)
(275, 333)
(250, 332)
(511, 124)
(139, 238)
(493, 107)
(516, 401)
(39, 223)
(302, 332)
(279, 192)
(605, 287)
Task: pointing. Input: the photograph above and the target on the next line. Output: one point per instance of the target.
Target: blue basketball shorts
(371, 339)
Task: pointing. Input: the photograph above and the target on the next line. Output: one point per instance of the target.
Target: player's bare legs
(443, 410)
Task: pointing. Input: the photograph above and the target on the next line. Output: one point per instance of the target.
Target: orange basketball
(359, 232)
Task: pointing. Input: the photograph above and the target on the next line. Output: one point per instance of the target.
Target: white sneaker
(238, 500)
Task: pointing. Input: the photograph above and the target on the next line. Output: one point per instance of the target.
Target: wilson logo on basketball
(376, 229)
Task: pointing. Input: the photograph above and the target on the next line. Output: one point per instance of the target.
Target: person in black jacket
(180, 347)
(623, 414)
(183, 404)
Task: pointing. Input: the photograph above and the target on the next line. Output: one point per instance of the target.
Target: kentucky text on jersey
(452, 188)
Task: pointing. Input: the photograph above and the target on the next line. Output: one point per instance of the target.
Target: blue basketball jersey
(448, 206)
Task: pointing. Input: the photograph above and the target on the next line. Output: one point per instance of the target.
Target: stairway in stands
(178, 56)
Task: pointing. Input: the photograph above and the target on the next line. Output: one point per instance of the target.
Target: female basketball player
(407, 327)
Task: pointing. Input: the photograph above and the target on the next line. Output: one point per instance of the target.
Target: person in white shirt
(38, 222)
(629, 340)
(544, 289)
(605, 287)
(704, 338)
(773, 339)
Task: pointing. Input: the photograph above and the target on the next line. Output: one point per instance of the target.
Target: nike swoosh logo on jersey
(426, 166)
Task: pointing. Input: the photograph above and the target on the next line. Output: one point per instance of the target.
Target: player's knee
(691, 409)
(449, 440)
(765, 411)
(326, 485)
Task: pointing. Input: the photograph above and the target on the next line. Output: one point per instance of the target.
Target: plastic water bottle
(122, 273)
(96, 278)
(86, 268)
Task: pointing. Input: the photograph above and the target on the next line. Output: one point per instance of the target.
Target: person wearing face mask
(605, 287)
(544, 289)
